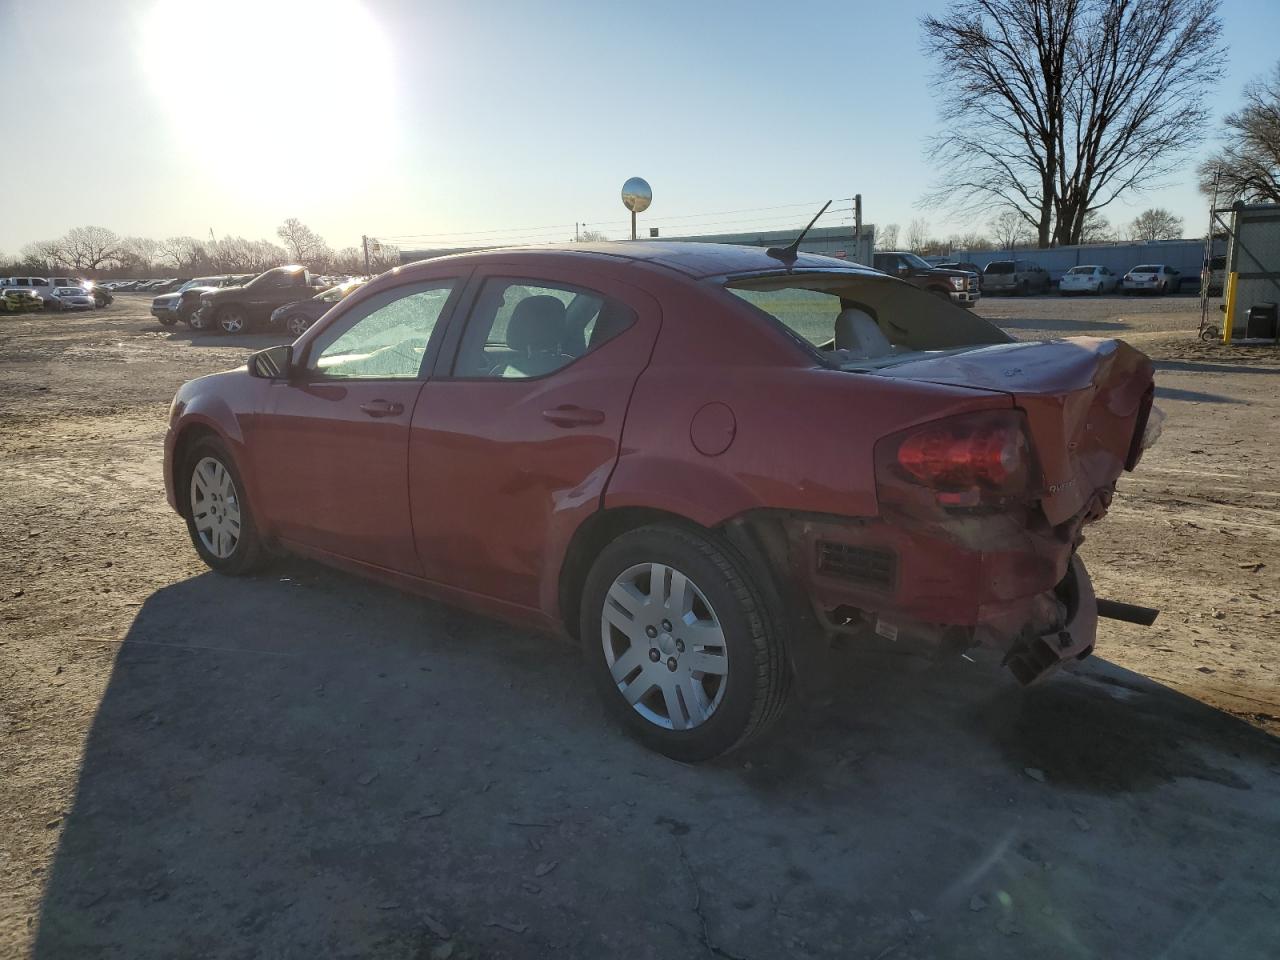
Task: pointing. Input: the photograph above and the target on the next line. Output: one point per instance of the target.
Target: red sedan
(700, 461)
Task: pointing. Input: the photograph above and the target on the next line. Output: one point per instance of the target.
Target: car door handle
(382, 408)
(567, 415)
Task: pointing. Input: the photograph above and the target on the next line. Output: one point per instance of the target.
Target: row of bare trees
(101, 253)
(1009, 230)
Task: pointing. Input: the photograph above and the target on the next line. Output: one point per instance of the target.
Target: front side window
(1000, 266)
(521, 329)
(387, 336)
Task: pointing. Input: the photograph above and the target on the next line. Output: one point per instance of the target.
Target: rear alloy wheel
(297, 324)
(198, 320)
(218, 516)
(232, 320)
(683, 645)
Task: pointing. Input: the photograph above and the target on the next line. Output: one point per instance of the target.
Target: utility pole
(857, 228)
(365, 241)
(1206, 271)
(575, 233)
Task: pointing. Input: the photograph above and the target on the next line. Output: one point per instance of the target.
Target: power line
(535, 231)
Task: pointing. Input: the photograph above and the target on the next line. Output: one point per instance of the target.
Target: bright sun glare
(276, 98)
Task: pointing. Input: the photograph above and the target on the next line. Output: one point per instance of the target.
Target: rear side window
(521, 329)
(1000, 266)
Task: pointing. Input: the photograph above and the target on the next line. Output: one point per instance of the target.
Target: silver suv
(1014, 276)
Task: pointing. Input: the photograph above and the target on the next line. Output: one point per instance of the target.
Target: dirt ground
(308, 765)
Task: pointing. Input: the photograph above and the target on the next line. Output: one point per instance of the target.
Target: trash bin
(1262, 322)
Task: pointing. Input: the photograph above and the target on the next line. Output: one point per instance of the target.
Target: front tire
(683, 645)
(297, 324)
(219, 518)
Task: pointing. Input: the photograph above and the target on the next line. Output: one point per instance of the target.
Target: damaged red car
(700, 461)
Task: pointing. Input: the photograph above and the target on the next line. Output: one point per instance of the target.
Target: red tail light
(964, 461)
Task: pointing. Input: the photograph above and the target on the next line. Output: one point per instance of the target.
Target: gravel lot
(305, 764)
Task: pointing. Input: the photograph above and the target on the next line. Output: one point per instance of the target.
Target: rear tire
(219, 517)
(297, 324)
(706, 611)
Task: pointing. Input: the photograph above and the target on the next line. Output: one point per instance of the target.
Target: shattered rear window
(894, 317)
(809, 313)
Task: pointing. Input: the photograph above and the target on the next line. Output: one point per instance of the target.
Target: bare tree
(348, 260)
(1053, 108)
(1156, 223)
(1248, 167)
(301, 242)
(88, 248)
(917, 234)
(1010, 230)
(139, 253)
(179, 252)
(591, 236)
(887, 236)
(44, 255)
(972, 241)
(1097, 229)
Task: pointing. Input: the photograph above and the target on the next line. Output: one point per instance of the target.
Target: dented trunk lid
(1086, 400)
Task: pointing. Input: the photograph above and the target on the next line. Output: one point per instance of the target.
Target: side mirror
(273, 363)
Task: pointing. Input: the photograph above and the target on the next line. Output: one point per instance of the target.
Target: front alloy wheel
(297, 324)
(683, 642)
(215, 507)
(231, 320)
(218, 516)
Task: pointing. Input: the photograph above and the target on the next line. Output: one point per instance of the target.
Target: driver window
(384, 338)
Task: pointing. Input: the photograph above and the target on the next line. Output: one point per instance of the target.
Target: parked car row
(51, 293)
(289, 297)
(1023, 277)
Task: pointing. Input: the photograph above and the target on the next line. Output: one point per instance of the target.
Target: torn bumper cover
(992, 582)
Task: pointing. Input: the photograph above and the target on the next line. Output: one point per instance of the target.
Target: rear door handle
(567, 415)
(382, 408)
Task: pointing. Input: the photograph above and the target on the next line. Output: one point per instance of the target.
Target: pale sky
(456, 120)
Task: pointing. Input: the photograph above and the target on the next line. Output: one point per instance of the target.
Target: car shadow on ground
(1195, 366)
(1061, 325)
(256, 339)
(305, 764)
(1195, 396)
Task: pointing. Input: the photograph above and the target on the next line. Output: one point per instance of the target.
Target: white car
(1088, 278)
(1152, 278)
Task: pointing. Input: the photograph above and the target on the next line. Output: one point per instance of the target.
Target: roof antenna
(788, 253)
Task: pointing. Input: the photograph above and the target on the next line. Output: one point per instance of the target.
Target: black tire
(298, 321)
(233, 319)
(197, 321)
(758, 678)
(168, 321)
(249, 553)
(941, 293)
